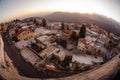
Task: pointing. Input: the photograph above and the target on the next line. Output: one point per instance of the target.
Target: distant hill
(103, 21)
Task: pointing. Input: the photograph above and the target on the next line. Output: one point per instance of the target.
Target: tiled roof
(83, 40)
(68, 32)
(25, 29)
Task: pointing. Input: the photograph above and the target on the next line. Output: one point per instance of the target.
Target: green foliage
(62, 26)
(68, 28)
(61, 42)
(73, 36)
(44, 23)
(82, 32)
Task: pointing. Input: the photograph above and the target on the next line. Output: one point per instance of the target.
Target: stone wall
(105, 72)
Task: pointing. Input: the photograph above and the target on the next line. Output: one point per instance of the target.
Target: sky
(12, 9)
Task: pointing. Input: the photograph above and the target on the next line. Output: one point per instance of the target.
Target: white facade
(41, 31)
(82, 43)
(48, 51)
(81, 46)
(44, 40)
(53, 50)
(21, 44)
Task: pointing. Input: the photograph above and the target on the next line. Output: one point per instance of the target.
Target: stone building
(25, 34)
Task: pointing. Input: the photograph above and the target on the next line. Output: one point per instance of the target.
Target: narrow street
(25, 69)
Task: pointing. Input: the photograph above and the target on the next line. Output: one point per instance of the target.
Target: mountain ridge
(103, 21)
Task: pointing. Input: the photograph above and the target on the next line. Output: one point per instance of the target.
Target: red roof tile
(68, 32)
(83, 40)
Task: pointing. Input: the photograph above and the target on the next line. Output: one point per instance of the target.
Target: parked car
(9, 42)
(6, 36)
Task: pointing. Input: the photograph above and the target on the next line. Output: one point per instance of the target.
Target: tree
(61, 42)
(68, 28)
(62, 26)
(14, 38)
(44, 23)
(82, 32)
(73, 36)
(34, 20)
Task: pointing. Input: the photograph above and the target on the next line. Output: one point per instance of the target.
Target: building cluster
(98, 42)
(48, 46)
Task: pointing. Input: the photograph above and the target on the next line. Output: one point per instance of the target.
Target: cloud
(117, 2)
(114, 1)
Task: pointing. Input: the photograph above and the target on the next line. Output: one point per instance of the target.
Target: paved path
(2, 60)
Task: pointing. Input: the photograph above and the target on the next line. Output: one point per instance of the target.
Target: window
(23, 33)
